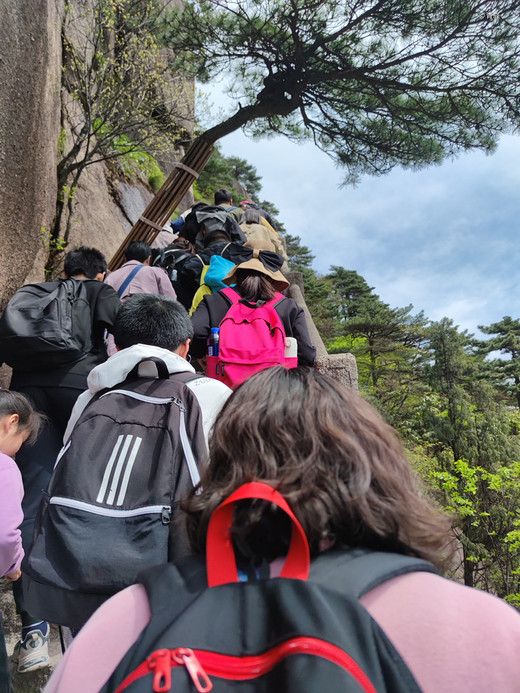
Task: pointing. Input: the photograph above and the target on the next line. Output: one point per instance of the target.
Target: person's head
(258, 277)
(252, 216)
(85, 263)
(155, 320)
(140, 251)
(223, 196)
(215, 237)
(19, 422)
(341, 468)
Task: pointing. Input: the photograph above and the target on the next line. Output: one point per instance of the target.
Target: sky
(444, 238)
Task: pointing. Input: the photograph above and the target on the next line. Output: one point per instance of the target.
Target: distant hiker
(76, 311)
(19, 423)
(172, 260)
(254, 228)
(214, 238)
(134, 447)
(224, 199)
(266, 217)
(136, 276)
(258, 281)
(164, 237)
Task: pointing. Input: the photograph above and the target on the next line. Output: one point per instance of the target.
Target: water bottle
(213, 341)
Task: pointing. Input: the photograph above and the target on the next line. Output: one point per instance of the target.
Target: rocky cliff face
(105, 205)
(29, 126)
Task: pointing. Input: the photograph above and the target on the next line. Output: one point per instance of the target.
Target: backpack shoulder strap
(129, 278)
(231, 295)
(278, 298)
(355, 572)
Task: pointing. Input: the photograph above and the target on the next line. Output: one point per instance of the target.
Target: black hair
(28, 419)
(138, 250)
(254, 286)
(84, 260)
(152, 319)
(252, 216)
(222, 195)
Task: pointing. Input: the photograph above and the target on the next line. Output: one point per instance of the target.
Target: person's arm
(11, 516)
(299, 330)
(201, 329)
(102, 643)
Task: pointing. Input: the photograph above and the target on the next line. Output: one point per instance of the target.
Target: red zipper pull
(201, 680)
(159, 661)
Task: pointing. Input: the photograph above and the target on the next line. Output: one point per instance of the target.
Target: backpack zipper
(163, 510)
(201, 663)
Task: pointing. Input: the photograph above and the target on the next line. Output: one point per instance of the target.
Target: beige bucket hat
(259, 255)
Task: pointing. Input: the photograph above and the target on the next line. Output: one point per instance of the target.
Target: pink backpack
(252, 337)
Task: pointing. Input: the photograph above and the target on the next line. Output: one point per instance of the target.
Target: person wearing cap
(256, 276)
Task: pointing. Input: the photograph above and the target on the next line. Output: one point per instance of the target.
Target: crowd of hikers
(197, 506)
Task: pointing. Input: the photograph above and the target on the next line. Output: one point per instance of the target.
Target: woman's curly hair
(341, 468)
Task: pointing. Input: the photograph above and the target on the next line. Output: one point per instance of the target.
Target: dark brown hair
(341, 468)
(254, 286)
(28, 419)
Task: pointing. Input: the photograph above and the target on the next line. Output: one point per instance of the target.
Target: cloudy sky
(444, 239)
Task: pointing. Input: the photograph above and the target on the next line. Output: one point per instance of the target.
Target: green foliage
(488, 505)
(504, 371)
(245, 174)
(218, 173)
(228, 172)
(62, 142)
(300, 257)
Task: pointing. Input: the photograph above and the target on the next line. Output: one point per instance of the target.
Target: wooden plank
(167, 198)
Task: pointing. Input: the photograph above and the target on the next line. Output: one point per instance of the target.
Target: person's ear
(100, 276)
(183, 348)
(9, 423)
(148, 260)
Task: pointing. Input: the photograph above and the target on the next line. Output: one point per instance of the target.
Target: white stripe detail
(141, 398)
(119, 468)
(108, 470)
(107, 512)
(128, 471)
(188, 452)
(61, 453)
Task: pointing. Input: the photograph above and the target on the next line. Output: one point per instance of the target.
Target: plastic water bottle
(213, 341)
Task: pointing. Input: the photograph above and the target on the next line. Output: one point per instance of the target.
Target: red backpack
(252, 337)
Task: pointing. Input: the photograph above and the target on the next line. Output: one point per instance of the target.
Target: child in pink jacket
(18, 423)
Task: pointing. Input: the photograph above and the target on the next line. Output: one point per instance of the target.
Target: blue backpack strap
(127, 281)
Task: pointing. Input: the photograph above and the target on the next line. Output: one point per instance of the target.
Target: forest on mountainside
(454, 399)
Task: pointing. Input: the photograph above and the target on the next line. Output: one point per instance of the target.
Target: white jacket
(211, 394)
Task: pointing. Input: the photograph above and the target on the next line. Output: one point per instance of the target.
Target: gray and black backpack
(111, 507)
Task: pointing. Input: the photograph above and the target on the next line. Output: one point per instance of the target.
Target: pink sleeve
(102, 643)
(11, 516)
(452, 638)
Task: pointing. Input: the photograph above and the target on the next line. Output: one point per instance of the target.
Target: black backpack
(46, 326)
(111, 506)
(287, 634)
